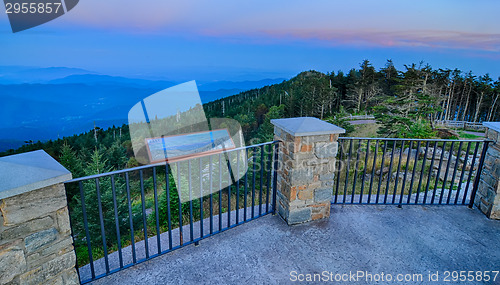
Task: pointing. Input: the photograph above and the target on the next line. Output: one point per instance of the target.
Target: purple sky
(231, 40)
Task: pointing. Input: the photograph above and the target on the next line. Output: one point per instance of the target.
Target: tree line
(416, 95)
(403, 101)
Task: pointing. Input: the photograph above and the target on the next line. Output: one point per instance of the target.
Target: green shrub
(419, 129)
(174, 207)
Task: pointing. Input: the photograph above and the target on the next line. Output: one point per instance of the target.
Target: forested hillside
(405, 102)
(400, 99)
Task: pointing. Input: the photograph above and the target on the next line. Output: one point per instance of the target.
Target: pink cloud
(424, 24)
(361, 38)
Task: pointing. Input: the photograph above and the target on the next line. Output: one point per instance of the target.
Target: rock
(305, 194)
(34, 276)
(56, 281)
(442, 175)
(26, 228)
(326, 150)
(438, 154)
(14, 208)
(71, 277)
(39, 239)
(50, 269)
(323, 194)
(12, 263)
(401, 176)
(388, 155)
(299, 216)
(413, 152)
(469, 161)
(447, 157)
(326, 177)
(446, 161)
(385, 170)
(314, 162)
(60, 247)
(328, 183)
(430, 153)
(447, 133)
(301, 176)
(58, 264)
(62, 216)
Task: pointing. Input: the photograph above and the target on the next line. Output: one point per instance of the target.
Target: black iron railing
(408, 171)
(126, 217)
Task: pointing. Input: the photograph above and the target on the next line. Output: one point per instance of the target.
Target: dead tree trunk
(493, 107)
(478, 107)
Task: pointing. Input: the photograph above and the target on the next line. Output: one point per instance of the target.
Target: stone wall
(488, 192)
(35, 238)
(305, 175)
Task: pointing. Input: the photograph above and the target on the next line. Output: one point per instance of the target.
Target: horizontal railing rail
(125, 217)
(155, 164)
(415, 140)
(359, 117)
(408, 171)
(460, 124)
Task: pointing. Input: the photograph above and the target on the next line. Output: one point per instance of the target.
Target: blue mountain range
(49, 103)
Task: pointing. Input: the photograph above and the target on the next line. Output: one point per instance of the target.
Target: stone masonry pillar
(306, 163)
(35, 234)
(488, 191)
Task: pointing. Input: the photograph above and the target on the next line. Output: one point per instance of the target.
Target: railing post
(306, 164)
(479, 173)
(275, 177)
(487, 198)
(35, 234)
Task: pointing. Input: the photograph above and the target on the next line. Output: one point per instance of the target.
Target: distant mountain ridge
(93, 79)
(65, 101)
(241, 85)
(96, 79)
(21, 74)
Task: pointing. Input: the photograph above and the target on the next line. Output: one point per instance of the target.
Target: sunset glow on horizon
(152, 37)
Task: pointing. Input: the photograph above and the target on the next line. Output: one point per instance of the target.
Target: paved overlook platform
(376, 239)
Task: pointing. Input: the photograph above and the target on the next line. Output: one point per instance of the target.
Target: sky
(251, 40)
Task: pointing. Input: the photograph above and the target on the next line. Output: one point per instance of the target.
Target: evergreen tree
(266, 130)
(406, 114)
(117, 155)
(97, 165)
(69, 159)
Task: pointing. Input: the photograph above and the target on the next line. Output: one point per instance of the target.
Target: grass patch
(365, 131)
(465, 135)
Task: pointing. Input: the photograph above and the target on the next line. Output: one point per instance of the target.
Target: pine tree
(117, 156)
(407, 113)
(266, 130)
(70, 160)
(97, 165)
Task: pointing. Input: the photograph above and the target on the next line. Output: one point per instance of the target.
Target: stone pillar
(35, 235)
(306, 163)
(488, 192)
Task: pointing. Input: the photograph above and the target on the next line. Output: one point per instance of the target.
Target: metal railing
(359, 117)
(461, 125)
(126, 217)
(408, 171)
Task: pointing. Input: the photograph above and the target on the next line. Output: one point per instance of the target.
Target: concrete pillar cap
(306, 126)
(492, 125)
(29, 171)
